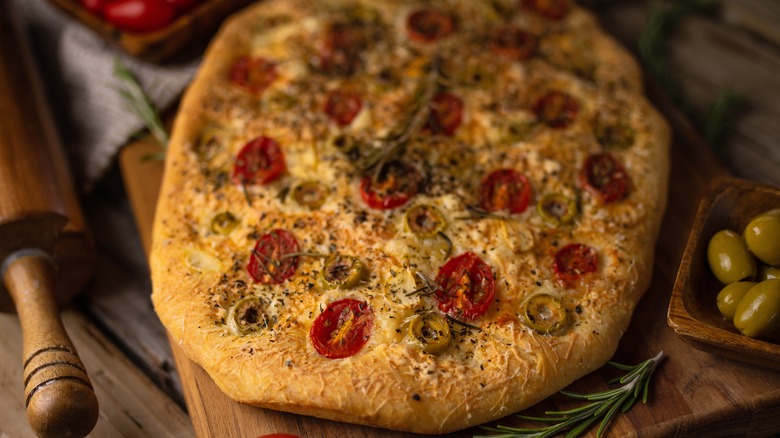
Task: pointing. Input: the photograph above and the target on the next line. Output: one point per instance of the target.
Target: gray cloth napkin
(76, 66)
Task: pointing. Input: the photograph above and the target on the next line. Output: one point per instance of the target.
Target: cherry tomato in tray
(139, 15)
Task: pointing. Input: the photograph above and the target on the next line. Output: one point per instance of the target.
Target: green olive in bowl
(762, 236)
(767, 273)
(729, 257)
(730, 296)
(758, 313)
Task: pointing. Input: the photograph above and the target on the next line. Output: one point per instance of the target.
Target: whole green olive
(730, 296)
(762, 236)
(758, 313)
(729, 257)
(767, 273)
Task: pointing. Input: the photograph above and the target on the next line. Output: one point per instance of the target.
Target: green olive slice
(247, 315)
(432, 331)
(223, 223)
(424, 220)
(545, 314)
(342, 271)
(557, 209)
(309, 194)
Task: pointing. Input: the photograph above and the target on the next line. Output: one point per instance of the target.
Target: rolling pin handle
(59, 397)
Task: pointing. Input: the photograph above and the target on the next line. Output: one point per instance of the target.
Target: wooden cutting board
(693, 393)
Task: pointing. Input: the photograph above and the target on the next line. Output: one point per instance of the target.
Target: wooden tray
(195, 25)
(694, 393)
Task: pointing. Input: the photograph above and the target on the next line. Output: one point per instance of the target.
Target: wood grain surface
(694, 392)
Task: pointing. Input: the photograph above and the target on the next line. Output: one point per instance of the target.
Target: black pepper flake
(416, 397)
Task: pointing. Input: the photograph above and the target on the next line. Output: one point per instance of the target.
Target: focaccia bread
(415, 215)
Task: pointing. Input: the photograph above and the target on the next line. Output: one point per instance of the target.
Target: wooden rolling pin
(46, 255)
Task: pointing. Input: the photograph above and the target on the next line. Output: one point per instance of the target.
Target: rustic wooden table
(125, 349)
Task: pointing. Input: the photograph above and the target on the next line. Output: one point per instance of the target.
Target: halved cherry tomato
(342, 106)
(573, 261)
(467, 287)
(270, 261)
(342, 329)
(604, 176)
(253, 74)
(513, 43)
(397, 183)
(139, 15)
(259, 162)
(556, 109)
(552, 9)
(182, 5)
(342, 46)
(94, 6)
(446, 114)
(428, 25)
(505, 190)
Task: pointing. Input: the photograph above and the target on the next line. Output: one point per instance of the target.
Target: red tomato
(604, 176)
(139, 15)
(94, 6)
(428, 25)
(573, 261)
(182, 5)
(253, 74)
(342, 47)
(552, 9)
(259, 162)
(556, 109)
(397, 183)
(269, 262)
(513, 43)
(505, 190)
(342, 328)
(446, 114)
(467, 287)
(342, 106)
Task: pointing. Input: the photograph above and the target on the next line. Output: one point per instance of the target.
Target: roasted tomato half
(342, 329)
(273, 259)
(552, 9)
(259, 162)
(604, 176)
(505, 190)
(446, 114)
(429, 25)
(513, 43)
(342, 106)
(396, 183)
(467, 287)
(556, 109)
(574, 261)
(253, 74)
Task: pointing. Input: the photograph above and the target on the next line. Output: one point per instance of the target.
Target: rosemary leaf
(604, 405)
(139, 103)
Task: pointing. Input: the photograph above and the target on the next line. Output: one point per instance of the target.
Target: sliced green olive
(545, 314)
(223, 223)
(762, 236)
(310, 194)
(557, 209)
(342, 271)
(730, 296)
(766, 272)
(247, 315)
(424, 220)
(210, 141)
(729, 257)
(758, 313)
(432, 331)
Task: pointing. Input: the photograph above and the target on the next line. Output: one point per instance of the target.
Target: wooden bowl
(693, 312)
(195, 25)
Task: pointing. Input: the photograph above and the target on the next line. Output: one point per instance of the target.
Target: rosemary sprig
(603, 405)
(387, 147)
(480, 213)
(429, 286)
(139, 103)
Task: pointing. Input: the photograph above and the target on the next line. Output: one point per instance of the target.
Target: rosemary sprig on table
(603, 405)
(419, 107)
(139, 103)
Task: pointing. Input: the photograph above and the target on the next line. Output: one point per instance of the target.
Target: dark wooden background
(735, 47)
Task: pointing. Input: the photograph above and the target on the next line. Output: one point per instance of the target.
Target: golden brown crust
(486, 374)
